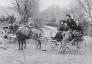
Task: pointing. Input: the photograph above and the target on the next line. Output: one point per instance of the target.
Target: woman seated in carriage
(59, 36)
(78, 32)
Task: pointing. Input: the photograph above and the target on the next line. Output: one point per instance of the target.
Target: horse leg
(63, 47)
(39, 44)
(19, 44)
(24, 43)
(36, 44)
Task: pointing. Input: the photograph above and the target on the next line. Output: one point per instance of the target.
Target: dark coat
(59, 36)
(71, 24)
(62, 27)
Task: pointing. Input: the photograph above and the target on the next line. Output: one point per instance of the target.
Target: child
(5, 37)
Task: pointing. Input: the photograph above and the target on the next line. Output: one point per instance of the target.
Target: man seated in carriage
(70, 22)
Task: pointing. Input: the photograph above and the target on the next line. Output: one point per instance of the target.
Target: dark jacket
(59, 36)
(62, 27)
(71, 24)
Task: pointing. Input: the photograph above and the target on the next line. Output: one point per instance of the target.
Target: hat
(5, 27)
(68, 15)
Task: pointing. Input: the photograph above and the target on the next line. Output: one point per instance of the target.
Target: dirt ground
(31, 56)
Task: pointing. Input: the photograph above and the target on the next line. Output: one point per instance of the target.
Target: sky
(5, 3)
(61, 3)
(43, 3)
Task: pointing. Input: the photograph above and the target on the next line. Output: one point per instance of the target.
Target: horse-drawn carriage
(66, 42)
(71, 40)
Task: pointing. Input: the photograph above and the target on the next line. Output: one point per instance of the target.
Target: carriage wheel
(54, 45)
(76, 46)
(69, 48)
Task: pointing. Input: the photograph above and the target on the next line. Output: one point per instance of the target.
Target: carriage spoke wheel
(55, 46)
(70, 48)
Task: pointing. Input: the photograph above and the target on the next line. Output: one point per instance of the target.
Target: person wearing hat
(5, 37)
(70, 22)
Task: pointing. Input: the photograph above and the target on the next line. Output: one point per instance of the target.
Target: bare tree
(26, 8)
(86, 5)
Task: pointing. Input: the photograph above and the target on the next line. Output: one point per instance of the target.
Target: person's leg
(5, 43)
(39, 44)
(63, 46)
(24, 43)
(36, 43)
(19, 42)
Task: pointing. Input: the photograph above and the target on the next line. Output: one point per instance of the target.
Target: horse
(25, 33)
(36, 35)
(21, 39)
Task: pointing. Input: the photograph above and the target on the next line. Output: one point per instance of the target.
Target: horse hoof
(24, 47)
(21, 48)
